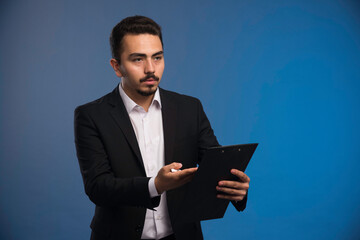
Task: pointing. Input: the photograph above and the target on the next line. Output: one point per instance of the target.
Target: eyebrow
(144, 55)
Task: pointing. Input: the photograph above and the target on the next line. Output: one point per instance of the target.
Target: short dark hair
(132, 25)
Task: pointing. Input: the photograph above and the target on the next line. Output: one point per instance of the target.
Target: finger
(241, 175)
(231, 191)
(234, 184)
(181, 176)
(174, 165)
(186, 172)
(229, 197)
(189, 170)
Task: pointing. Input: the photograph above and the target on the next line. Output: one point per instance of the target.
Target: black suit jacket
(113, 171)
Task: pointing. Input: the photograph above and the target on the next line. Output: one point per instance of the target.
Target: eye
(137, 60)
(158, 58)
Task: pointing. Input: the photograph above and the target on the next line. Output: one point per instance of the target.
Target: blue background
(282, 73)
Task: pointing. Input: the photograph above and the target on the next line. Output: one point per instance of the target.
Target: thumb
(174, 165)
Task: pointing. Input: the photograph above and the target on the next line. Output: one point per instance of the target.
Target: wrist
(158, 187)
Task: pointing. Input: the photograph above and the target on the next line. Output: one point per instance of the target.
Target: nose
(149, 66)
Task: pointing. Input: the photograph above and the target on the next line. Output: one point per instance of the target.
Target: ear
(115, 65)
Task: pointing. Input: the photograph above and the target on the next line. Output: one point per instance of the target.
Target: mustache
(144, 79)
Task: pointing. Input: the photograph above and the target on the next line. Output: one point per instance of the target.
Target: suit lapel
(121, 117)
(169, 116)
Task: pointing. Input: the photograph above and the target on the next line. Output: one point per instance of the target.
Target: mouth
(150, 80)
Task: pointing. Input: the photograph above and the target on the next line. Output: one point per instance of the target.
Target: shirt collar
(130, 104)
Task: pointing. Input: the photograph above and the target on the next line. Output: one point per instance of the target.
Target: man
(131, 142)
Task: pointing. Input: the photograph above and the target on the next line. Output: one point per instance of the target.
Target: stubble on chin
(147, 93)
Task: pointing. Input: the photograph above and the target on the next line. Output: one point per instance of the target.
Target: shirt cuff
(152, 189)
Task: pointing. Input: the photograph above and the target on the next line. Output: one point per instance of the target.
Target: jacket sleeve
(102, 187)
(206, 136)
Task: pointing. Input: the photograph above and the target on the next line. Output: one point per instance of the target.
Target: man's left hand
(234, 190)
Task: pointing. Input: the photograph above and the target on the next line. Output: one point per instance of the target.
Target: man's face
(141, 64)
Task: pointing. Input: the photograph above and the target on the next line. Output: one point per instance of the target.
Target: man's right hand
(167, 180)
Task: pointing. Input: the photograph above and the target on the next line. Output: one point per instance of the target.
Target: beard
(147, 93)
(150, 90)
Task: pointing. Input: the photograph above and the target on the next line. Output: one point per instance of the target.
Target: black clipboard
(200, 202)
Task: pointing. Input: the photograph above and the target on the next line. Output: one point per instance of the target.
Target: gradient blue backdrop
(282, 73)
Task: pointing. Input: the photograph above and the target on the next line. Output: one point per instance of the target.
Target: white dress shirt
(148, 128)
